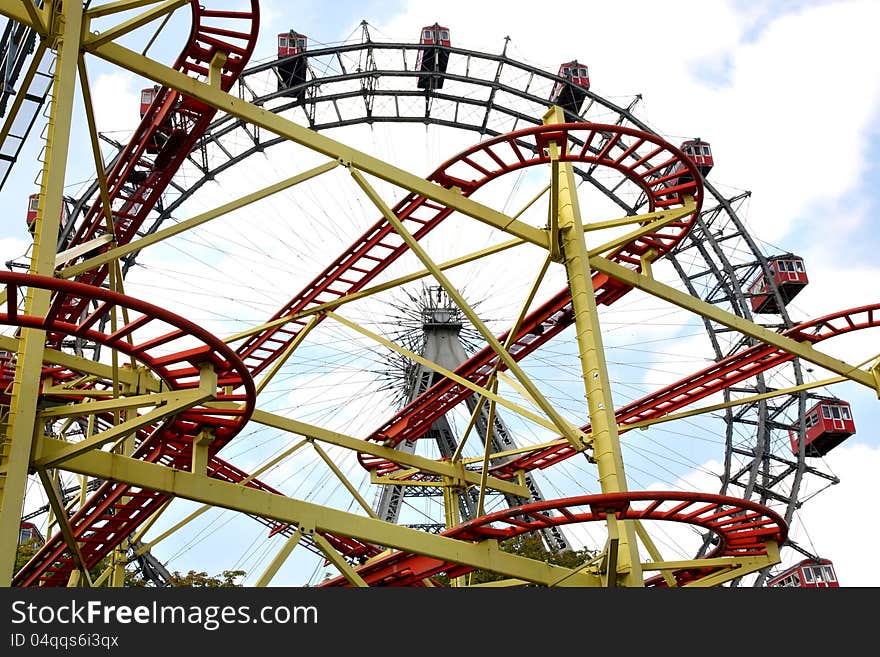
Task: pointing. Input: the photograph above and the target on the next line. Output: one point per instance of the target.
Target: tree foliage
(532, 547)
(193, 579)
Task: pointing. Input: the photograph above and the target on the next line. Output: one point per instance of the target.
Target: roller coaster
(125, 390)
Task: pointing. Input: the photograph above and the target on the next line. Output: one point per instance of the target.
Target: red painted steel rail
(173, 348)
(640, 157)
(742, 529)
(173, 123)
(751, 361)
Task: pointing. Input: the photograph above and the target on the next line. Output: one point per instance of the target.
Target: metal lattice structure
(83, 361)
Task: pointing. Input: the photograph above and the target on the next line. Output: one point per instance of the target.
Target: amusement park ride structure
(124, 391)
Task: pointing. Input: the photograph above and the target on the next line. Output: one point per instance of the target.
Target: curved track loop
(742, 529)
(171, 347)
(642, 158)
(555, 316)
(172, 126)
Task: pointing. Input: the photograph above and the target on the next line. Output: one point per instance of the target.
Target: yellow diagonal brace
(137, 379)
(198, 220)
(648, 228)
(26, 12)
(64, 524)
(731, 567)
(470, 385)
(800, 349)
(485, 555)
(166, 411)
(137, 21)
(344, 480)
(649, 217)
(281, 360)
(511, 336)
(653, 552)
(403, 280)
(315, 141)
(117, 7)
(279, 559)
(420, 463)
(336, 559)
(91, 407)
(561, 424)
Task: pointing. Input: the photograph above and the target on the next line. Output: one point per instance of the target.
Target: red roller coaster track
(742, 529)
(136, 182)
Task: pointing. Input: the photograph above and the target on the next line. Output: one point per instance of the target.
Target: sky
(788, 94)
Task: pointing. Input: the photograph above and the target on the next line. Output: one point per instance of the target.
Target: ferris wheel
(263, 261)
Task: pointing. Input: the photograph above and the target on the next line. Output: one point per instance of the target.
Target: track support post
(17, 441)
(606, 441)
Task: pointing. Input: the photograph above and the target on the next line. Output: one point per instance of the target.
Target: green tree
(226, 579)
(526, 545)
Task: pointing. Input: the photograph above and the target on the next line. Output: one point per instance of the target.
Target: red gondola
(700, 153)
(697, 151)
(159, 137)
(789, 275)
(826, 425)
(33, 206)
(291, 68)
(570, 95)
(433, 60)
(807, 574)
(28, 532)
(148, 95)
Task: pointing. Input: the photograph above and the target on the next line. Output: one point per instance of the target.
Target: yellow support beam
(343, 479)
(279, 559)
(455, 377)
(802, 350)
(188, 224)
(139, 379)
(15, 444)
(136, 22)
(234, 106)
(119, 6)
(184, 401)
(198, 488)
(63, 521)
(419, 463)
(27, 13)
(623, 550)
(562, 425)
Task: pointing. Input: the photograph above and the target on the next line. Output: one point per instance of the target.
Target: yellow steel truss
(65, 28)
